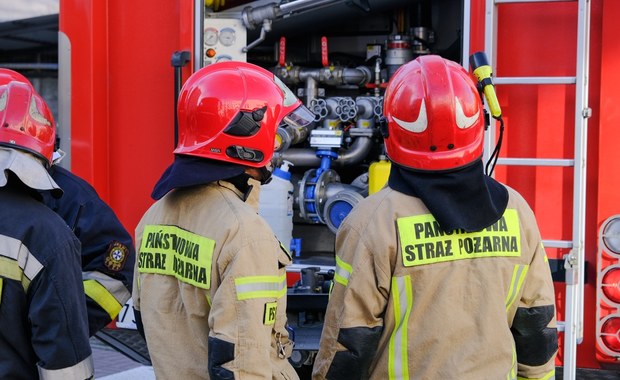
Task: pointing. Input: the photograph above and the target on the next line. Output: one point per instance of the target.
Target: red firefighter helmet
(230, 111)
(7, 76)
(434, 116)
(26, 122)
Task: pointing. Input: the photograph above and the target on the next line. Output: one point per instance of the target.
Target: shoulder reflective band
(9, 268)
(423, 241)
(173, 251)
(260, 287)
(343, 272)
(403, 301)
(102, 297)
(16, 262)
(518, 276)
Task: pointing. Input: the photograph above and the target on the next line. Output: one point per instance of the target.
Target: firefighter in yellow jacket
(441, 274)
(210, 286)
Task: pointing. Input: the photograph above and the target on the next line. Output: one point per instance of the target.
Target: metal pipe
(306, 157)
(30, 66)
(312, 90)
(199, 30)
(179, 59)
(360, 75)
(263, 33)
(305, 5)
(338, 75)
(253, 17)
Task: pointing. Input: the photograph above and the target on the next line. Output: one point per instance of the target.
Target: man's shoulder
(514, 196)
(70, 182)
(23, 206)
(34, 224)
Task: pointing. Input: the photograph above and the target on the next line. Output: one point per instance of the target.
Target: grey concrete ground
(112, 365)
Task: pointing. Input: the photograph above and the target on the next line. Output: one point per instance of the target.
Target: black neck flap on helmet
(187, 171)
(461, 199)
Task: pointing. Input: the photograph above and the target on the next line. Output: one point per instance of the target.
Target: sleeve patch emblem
(269, 316)
(116, 256)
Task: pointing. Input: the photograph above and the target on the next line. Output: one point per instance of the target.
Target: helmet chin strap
(262, 174)
(265, 174)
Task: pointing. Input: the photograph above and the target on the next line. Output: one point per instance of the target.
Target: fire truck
(554, 65)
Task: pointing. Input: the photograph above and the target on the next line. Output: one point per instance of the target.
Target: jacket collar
(251, 194)
(462, 199)
(187, 171)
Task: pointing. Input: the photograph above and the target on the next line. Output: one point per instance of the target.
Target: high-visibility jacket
(43, 323)
(107, 253)
(210, 286)
(411, 301)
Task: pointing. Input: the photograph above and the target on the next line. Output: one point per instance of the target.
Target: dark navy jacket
(108, 252)
(42, 308)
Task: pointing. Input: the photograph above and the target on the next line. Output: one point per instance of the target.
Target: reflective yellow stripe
(547, 376)
(260, 287)
(543, 248)
(518, 276)
(424, 242)
(115, 287)
(512, 375)
(397, 348)
(173, 251)
(102, 297)
(343, 272)
(17, 263)
(10, 269)
(286, 251)
(1, 279)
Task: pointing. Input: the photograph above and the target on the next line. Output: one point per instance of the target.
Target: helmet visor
(300, 117)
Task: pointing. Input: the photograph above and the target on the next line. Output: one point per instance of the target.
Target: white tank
(276, 204)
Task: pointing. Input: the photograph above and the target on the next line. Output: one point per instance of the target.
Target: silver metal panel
(536, 161)
(558, 244)
(535, 80)
(64, 98)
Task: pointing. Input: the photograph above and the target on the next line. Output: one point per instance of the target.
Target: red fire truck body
(117, 95)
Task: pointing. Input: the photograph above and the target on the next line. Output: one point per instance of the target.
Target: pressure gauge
(227, 36)
(223, 58)
(210, 36)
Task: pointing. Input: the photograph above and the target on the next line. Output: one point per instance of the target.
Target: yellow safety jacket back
(210, 286)
(411, 301)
